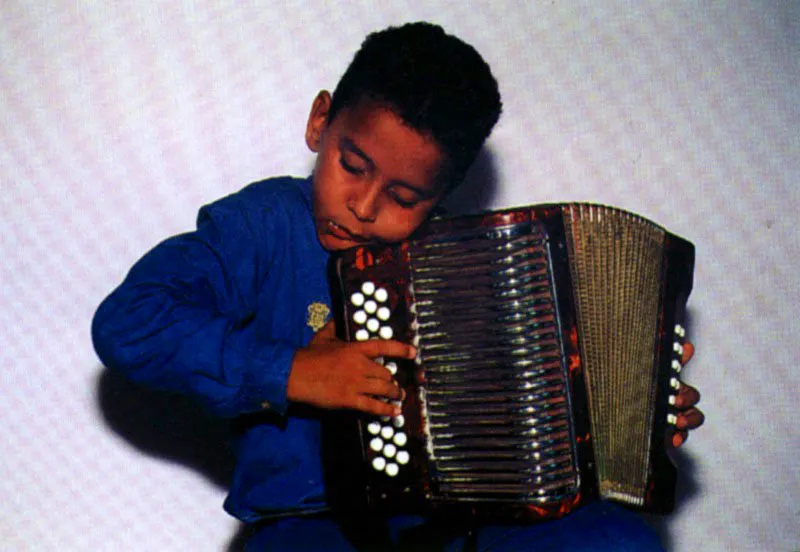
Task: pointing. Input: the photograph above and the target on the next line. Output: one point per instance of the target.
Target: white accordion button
(387, 432)
(359, 317)
(672, 400)
(370, 306)
(672, 419)
(362, 335)
(674, 383)
(676, 365)
(381, 295)
(376, 444)
(384, 313)
(398, 421)
(357, 299)
(392, 469)
(392, 367)
(386, 332)
(389, 450)
(368, 288)
(400, 439)
(379, 463)
(402, 457)
(373, 325)
(374, 428)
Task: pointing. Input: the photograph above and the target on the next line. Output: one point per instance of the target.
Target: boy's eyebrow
(347, 143)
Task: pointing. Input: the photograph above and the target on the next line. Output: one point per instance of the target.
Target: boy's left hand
(689, 417)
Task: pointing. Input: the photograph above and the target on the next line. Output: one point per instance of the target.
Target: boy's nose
(363, 203)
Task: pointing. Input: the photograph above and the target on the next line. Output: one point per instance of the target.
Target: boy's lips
(342, 233)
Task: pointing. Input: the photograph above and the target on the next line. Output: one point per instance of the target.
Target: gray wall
(119, 122)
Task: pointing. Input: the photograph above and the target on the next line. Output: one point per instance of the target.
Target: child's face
(375, 178)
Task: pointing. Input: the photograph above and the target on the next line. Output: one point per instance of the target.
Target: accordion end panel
(678, 277)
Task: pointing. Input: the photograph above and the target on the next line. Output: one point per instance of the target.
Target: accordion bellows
(549, 342)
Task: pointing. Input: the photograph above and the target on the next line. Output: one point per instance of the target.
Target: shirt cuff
(265, 382)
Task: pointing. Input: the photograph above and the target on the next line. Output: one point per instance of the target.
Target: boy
(232, 313)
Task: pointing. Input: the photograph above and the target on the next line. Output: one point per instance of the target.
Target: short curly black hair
(435, 82)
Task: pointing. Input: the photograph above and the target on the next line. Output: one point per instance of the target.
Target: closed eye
(402, 199)
(349, 167)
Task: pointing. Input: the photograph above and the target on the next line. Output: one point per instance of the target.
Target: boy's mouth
(342, 233)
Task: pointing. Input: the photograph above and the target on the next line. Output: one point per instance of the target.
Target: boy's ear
(318, 120)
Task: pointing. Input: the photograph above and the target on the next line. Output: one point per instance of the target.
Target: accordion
(549, 346)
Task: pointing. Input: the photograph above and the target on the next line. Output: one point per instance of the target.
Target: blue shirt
(217, 314)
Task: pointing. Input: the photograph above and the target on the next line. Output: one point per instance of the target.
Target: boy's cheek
(400, 226)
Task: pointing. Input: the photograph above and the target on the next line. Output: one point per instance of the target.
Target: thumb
(326, 333)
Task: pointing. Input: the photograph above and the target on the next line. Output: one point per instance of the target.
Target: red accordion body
(549, 342)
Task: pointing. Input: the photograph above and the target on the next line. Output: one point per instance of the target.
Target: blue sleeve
(183, 318)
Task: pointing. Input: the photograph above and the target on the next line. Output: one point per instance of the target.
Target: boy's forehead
(379, 131)
(363, 118)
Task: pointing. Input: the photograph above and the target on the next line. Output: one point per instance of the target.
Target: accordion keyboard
(387, 438)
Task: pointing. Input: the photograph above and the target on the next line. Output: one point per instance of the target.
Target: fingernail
(397, 411)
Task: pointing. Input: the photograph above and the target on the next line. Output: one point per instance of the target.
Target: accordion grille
(616, 274)
(495, 397)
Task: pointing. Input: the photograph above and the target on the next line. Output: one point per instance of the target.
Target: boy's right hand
(330, 373)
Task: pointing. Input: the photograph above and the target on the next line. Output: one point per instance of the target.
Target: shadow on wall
(687, 488)
(479, 188)
(167, 426)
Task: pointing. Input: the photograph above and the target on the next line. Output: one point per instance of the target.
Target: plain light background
(118, 121)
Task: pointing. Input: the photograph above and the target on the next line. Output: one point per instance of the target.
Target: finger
(371, 405)
(690, 419)
(377, 371)
(688, 352)
(679, 438)
(386, 348)
(382, 389)
(687, 397)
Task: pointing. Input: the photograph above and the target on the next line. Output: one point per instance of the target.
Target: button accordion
(549, 346)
